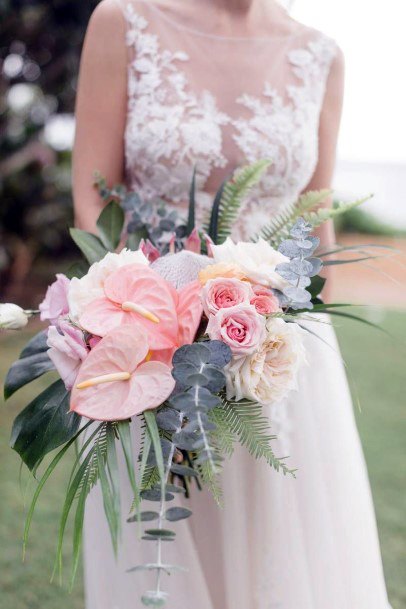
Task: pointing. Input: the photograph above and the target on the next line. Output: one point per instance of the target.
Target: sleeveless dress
(278, 543)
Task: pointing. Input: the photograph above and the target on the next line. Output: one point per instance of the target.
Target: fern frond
(233, 193)
(211, 480)
(319, 216)
(246, 420)
(279, 226)
(223, 436)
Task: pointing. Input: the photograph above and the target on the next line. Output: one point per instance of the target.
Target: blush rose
(240, 327)
(223, 293)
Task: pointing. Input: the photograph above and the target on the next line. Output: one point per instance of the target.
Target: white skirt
(279, 542)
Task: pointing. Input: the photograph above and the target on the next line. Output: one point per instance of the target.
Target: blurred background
(40, 47)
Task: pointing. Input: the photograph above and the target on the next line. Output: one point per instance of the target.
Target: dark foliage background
(39, 59)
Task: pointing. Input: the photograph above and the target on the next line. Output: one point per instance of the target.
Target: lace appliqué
(284, 128)
(170, 129)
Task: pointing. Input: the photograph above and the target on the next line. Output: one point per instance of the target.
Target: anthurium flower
(116, 382)
(189, 311)
(135, 294)
(83, 291)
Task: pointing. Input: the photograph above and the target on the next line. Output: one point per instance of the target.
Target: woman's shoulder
(322, 45)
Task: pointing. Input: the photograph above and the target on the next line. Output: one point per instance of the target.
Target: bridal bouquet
(184, 330)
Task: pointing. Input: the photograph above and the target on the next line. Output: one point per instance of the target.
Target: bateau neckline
(196, 32)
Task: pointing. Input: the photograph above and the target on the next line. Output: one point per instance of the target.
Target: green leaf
(77, 269)
(316, 286)
(356, 318)
(78, 523)
(192, 204)
(43, 480)
(153, 431)
(109, 501)
(213, 226)
(110, 224)
(69, 499)
(33, 363)
(45, 424)
(123, 428)
(90, 245)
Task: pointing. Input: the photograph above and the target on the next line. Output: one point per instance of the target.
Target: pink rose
(55, 303)
(264, 301)
(225, 292)
(240, 327)
(67, 351)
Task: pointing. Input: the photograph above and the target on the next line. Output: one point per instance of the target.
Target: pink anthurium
(189, 312)
(115, 382)
(136, 294)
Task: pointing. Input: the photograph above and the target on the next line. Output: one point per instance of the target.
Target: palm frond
(246, 420)
(279, 226)
(232, 194)
(91, 474)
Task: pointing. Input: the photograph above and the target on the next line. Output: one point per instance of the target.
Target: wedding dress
(278, 543)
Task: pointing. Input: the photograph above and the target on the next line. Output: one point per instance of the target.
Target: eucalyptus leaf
(144, 517)
(177, 513)
(183, 470)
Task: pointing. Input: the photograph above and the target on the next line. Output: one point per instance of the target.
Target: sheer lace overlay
(278, 542)
(183, 112)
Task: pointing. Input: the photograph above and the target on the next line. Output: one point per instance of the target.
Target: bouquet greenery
(184, 333)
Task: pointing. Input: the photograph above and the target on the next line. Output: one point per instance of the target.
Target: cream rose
(257, 261)
(83, 291)
(270, 373)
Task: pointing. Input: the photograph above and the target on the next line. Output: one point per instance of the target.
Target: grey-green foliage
(302, 265)
(198, 370)
(230, 197)
(247, 421)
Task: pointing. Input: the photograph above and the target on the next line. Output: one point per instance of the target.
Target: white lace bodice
(217, 103)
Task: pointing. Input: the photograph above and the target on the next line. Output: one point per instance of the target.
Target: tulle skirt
(278, 542)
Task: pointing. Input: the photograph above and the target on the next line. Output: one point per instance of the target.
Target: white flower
(12, 317)
(256, 260)
(83, 291)
(269, 374)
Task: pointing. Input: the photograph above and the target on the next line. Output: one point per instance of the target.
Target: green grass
(377, 367)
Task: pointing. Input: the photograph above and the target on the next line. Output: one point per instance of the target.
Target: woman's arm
(330, 119)
(101, 109)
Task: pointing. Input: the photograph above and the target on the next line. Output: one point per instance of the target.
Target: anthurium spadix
(116, 381)
(136, 294)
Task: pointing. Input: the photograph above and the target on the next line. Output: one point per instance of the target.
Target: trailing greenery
(247, 421)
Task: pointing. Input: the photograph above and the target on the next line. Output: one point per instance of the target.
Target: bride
(166, 85)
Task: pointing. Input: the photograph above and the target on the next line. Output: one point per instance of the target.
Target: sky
(371, 34)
